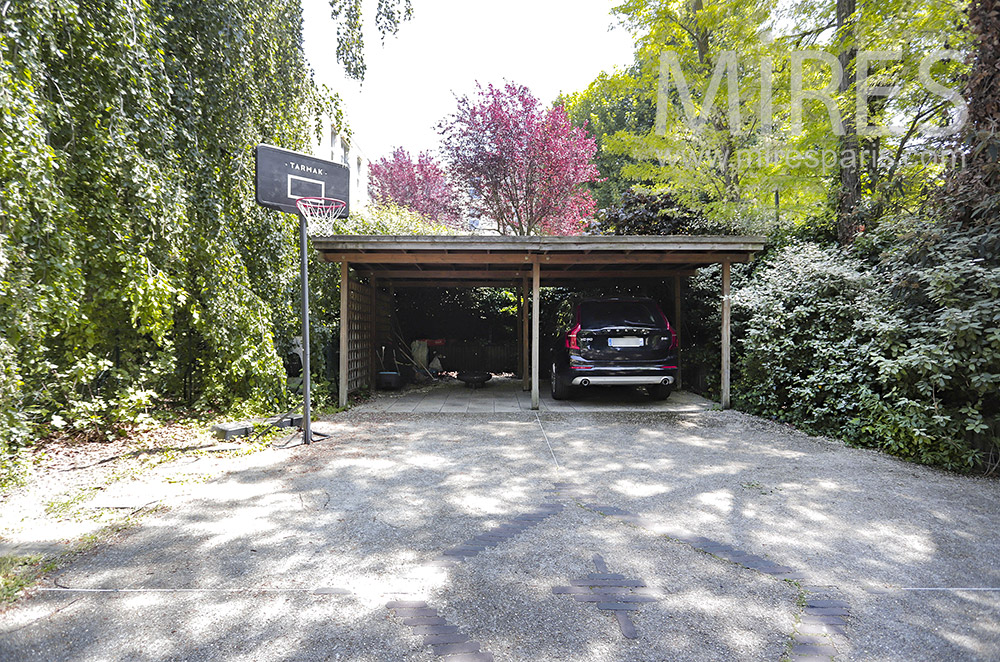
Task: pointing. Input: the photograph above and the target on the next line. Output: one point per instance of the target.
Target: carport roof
(491, 260)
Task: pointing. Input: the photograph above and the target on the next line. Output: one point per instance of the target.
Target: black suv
(616, 342)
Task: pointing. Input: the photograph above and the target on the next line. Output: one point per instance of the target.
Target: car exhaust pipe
(584, 382)
(667, 381)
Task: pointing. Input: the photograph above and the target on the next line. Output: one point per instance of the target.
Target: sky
(551, 46)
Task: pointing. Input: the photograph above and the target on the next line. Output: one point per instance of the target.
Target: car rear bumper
(622, 380)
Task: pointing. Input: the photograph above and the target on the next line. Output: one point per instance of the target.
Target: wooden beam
(547, 274)
(553, 274)
(535, 291)
(345, 297)
(651, 257)
(455, 283)
(481, 258)
(538, 244)
(482, 274)
(726, 303)
(507, 285)
(573, 277)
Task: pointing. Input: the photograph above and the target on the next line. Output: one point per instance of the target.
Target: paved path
(466, 537)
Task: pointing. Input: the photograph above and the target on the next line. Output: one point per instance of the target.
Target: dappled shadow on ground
(850, 518)
(365, 509)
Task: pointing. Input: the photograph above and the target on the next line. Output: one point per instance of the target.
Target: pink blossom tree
(525, 166)
(422, 186)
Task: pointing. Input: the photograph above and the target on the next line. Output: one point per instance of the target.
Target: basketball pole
(304, 258)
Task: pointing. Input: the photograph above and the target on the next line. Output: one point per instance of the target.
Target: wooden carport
(527, 263)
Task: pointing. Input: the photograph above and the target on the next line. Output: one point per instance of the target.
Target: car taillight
(673, 334)
(571, 338)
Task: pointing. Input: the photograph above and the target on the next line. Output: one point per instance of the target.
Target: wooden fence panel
(360, 336)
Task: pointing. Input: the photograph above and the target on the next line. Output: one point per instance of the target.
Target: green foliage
(709, 168)
(941, 373)
(135, 266)
(972, 194)
(904, 357)
(612, 107)
(391, 219)
(729, 172)
(820, 228)
(807, 345)
(390, 14)
(17, 573)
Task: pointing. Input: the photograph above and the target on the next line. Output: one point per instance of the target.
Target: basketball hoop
(279, 184)
(323, 215)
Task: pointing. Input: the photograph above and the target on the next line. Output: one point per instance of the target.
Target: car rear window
(602, 314)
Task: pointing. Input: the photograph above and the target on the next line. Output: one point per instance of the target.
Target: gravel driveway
(716, 536)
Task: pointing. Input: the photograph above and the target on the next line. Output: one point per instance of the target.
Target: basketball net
(323, 215)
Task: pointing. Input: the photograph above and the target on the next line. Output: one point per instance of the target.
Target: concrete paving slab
(505, 395)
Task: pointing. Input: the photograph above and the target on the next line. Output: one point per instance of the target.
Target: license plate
(627, 341)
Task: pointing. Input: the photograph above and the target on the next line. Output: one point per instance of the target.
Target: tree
(390, 14)
(422, 186)
(525, 166)
(849, 191)
(612, 107)
(730, 171)
(972, 191)
(697, 152)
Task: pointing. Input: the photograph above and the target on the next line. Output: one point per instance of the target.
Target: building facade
(337, 146)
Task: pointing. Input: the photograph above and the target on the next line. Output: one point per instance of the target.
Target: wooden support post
(519, 293)
(526, 344)
(726, 302)
(373, 366)
(677, 327)
(345, 296)
(535, 292)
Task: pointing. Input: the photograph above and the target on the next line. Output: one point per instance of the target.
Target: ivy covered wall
(135, 267)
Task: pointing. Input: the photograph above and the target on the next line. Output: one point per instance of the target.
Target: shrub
(391, 219)
(648, 212)
(941, 370)
(701, 327)
(807, 340)
(13, 429)
(904, 357)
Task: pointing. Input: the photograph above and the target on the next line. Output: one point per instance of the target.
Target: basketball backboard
(284, 176)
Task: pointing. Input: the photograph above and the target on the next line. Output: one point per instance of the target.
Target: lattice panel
(360, 336)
